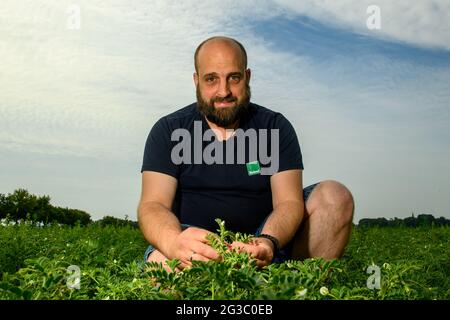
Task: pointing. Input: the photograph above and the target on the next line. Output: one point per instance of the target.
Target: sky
(364, 83)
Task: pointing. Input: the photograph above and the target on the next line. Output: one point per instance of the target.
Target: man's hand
(191, 244)
(261, 249)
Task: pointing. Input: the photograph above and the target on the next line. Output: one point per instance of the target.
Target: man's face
(223, 90)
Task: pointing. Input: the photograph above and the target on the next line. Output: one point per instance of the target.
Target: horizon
(127, 217)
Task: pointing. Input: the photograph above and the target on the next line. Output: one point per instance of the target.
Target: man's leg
(326, 226)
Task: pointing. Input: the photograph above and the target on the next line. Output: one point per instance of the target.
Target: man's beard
(226, 116)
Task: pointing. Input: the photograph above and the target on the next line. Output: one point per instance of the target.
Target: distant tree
(113, 221)
(441, 221)
(425, 220)
(382, 222)
(70, 216)
(43, 210)
(366, 222)
(410, 222)
(22, 205)
(396, 222)
(422, 220)
(3, 206)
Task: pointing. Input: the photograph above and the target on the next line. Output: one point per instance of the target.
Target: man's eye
(210, 79)
(235, 78)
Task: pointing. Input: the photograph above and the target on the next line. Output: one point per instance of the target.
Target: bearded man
(180, 200)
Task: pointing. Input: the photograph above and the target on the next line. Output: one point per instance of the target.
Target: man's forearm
(284, 221)
(158, 225)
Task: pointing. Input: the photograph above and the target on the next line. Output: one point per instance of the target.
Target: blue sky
(370, 107)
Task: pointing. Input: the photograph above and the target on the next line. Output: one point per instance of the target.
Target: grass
(44, 263)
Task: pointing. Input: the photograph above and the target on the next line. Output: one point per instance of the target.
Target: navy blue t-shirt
(227, 189)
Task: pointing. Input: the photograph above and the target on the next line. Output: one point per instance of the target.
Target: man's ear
(248, 74)
(195, 76)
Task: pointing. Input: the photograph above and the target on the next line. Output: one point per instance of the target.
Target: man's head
(222, 80)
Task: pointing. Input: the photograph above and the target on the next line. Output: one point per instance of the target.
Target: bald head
(217, 46)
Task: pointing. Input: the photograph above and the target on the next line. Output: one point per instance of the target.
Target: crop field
(93, 262)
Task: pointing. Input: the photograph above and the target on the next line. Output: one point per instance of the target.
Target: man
(181, 199)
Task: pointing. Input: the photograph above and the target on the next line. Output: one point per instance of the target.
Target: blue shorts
(282, 256)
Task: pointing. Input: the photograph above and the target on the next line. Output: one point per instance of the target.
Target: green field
(38, 263)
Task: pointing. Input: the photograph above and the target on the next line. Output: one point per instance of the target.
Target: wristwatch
(276, 243)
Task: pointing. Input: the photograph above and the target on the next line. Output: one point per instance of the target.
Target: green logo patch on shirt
(253, 168)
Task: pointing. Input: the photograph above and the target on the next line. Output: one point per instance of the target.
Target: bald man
(185, 186)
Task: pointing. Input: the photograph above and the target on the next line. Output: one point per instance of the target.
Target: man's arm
(158, 224)
(162, 228)
(288, 206)
(283, 222)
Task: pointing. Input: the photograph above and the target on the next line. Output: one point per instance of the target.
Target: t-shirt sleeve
(157, 152)
(289, 151)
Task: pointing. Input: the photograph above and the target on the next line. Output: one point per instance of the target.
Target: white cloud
(95, 92)
(129, 63)
(422, 23)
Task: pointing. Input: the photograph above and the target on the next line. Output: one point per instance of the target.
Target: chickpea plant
(35, 262)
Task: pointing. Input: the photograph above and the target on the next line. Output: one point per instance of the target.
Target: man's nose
(224, 89)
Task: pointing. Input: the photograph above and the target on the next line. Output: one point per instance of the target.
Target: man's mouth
(224, 104)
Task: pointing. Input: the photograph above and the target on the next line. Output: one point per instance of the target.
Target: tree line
(21, 205)
(422, 220)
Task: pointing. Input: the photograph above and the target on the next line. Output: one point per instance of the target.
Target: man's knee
(337, 196)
